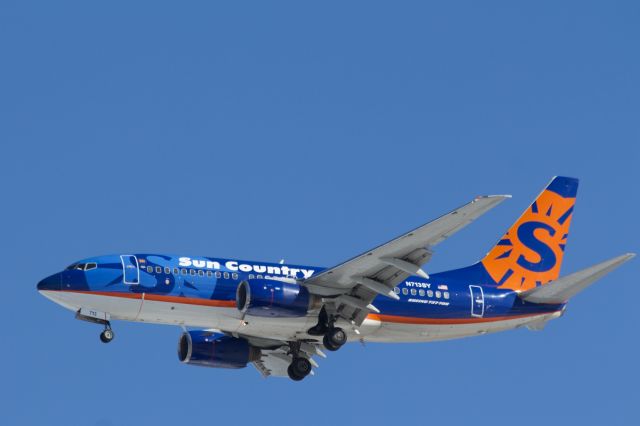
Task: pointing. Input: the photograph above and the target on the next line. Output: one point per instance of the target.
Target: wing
(349, 287)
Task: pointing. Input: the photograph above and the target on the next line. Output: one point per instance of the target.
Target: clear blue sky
(313, 131)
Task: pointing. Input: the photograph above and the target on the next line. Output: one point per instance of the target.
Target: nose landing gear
(107, 334)
(97, 317)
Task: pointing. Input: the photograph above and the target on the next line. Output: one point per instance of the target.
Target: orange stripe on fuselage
(191, 301)
(376, 317)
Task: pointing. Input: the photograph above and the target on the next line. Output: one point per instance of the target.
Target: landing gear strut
(334, 337)
(300, 366)
(107, 334)
(323, 324)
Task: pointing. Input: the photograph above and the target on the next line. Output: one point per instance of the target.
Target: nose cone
(52, 282)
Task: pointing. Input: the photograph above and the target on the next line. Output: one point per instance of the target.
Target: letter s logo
(527, 237)
(185, 261)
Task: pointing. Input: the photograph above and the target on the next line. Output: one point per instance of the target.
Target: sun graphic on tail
(530, 253)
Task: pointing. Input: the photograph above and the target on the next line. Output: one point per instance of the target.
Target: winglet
(562, 289)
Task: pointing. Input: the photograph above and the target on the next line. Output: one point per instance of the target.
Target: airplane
(279, 317)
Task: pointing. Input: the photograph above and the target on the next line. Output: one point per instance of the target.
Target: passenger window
(234, 276)
(158, 269)
(175, 271)
(421, 292)
(209, 274)
(192, 271)
(218, 274)
(183, 271)
(259, 276)
(405, 291)
(226, 275)
(167, 270)
(90, 266)
(438, 294)
(446, 294)
(413, 291)
(201, 273)
(396, 290)
(150, 269)
(430, 293)
(251, 276)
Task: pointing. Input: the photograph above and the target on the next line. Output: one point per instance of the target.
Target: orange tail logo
(530, 253)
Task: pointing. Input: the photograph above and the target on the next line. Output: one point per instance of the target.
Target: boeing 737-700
(280, 317)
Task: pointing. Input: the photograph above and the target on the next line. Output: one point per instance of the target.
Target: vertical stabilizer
(530, 253)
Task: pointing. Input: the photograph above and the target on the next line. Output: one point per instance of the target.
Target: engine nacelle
(208, 349)
(273, 298)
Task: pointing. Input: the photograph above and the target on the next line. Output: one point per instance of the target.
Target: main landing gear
(107, 334)
(333, 337)
(300, 366)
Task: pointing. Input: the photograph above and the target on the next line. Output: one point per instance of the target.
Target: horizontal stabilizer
(564, 288)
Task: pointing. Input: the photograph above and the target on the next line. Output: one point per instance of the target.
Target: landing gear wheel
(299, 368)
(292, 375)
(334, 339)
(107, 335)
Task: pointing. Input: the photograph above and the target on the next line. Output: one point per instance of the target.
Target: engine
(273, 298)
(208, 349)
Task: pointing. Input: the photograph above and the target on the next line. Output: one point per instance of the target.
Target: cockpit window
(76, 267)
(82, 266)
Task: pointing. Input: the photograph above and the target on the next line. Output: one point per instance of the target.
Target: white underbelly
(396, 332)
(230, 320)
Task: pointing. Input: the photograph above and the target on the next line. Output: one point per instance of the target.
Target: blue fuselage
(465, 295)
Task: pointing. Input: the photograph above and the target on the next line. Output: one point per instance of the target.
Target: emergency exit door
(477, 301)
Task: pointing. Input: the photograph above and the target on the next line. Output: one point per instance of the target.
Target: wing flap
(274, 362)
(564, 288)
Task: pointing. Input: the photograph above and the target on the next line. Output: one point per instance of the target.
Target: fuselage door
(130, 271)
(477, 301)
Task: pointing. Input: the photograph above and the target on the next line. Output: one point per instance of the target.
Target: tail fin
(530, 253)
